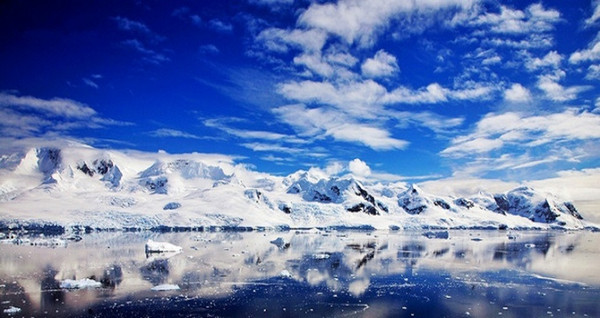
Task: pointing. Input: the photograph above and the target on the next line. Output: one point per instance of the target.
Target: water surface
(309, 273)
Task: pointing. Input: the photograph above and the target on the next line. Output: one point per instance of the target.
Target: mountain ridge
(74, 185)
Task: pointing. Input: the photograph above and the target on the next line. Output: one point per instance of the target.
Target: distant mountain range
(74, 186)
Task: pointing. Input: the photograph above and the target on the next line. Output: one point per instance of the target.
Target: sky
(418, 90)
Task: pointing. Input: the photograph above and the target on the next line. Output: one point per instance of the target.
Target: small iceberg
(285, 273)
(12, 310)
(79, 284)
(162, 247)
(321, 256)
(165, 287)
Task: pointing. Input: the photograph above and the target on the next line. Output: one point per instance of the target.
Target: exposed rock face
(104, 167)
(172, 206)
(413, 201)
(339, 190)
(535, 205)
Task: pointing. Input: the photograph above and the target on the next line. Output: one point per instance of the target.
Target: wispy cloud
(321, 122)
(166, 133)
(220, 26)
(55, 107)
(150, 55)
(90, 82)
(24, 116)
(225, 125)
(595, 15)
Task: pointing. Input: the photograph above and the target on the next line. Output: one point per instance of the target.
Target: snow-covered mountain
(75, 186)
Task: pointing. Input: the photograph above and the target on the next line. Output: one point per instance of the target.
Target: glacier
(69, 186)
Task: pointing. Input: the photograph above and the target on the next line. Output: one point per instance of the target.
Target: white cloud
(596, 15)
(271, 147)
(492, 60)
(341, 58)
(131, 25)
(517, 93)
(166, 132)
(54, 107)
(360, 99)
(279, 40)
(271, 2)
(315, 63)
(357, 21)
(495, 131)
(359, 168)
(220, 26)
(90, 83)
(373, 137)
(209, 49)
(555, 91)
(532, 41)
(535, 19)
(223, 124)
(150, 55)
(552, 59)
(24, 116)
(382, 64)
(327, 122)
(473, 145)
(593, 72)
(590, 54)
(365, 99)
(429, 120)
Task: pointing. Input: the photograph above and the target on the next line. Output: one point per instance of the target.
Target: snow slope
(73, 185)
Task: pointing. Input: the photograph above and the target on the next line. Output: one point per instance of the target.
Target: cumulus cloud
(590, 54)
(534, 19)
(359, 168)
(552, 60)
(496, 131)
(555, 91)
(381, 65)
(593, 72)
(364, 98)
(517, 93)
(357, 21)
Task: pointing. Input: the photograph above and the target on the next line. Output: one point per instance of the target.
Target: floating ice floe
(161, 247)
(285, 273)
(321, 256)
(165, 287)
(79, 284)
(12, 310)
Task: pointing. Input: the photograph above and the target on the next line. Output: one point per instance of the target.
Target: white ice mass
(68, 185)
(161, 247)
(79, 284)
(165, 287)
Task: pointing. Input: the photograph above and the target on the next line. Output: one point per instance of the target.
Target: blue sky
(416, 89)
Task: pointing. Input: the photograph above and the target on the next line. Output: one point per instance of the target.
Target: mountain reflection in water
(314, 273)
